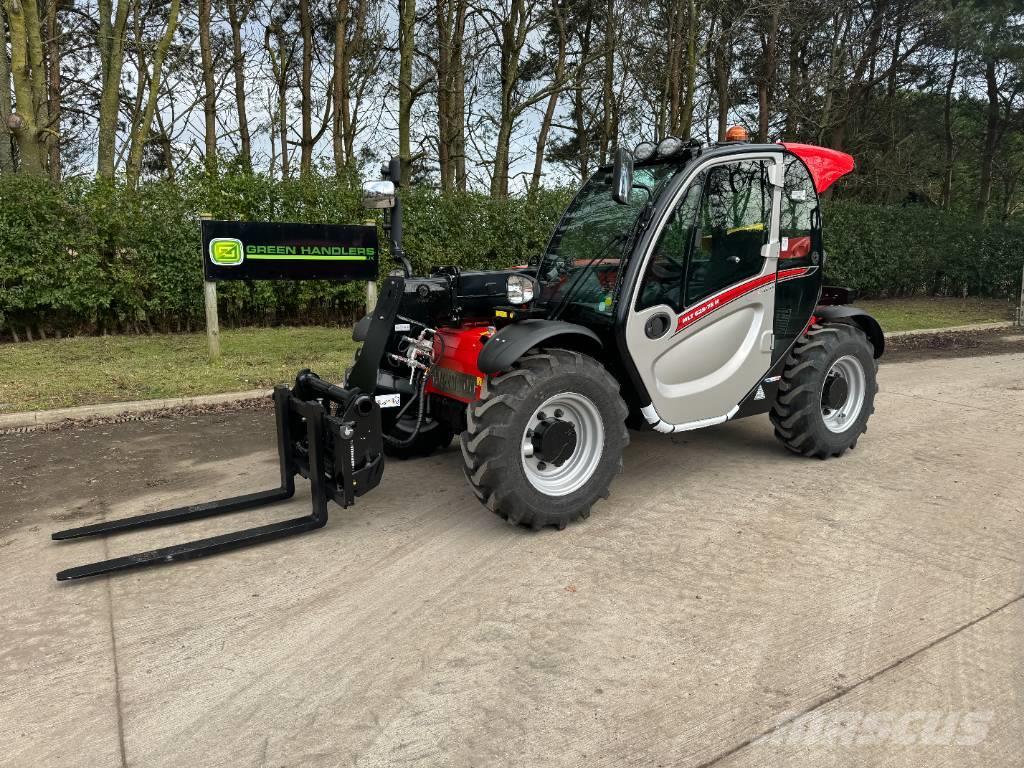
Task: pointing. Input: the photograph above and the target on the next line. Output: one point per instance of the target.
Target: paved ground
(731, 605)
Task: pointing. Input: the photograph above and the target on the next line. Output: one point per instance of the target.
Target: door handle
(656, 325)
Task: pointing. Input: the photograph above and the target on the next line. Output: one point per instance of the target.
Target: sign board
(256, 250)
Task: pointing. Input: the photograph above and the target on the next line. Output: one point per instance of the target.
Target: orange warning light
(737, 133)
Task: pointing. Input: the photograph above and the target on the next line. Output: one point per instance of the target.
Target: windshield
(586, 250)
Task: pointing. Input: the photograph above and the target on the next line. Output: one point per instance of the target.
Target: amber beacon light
(737, 133)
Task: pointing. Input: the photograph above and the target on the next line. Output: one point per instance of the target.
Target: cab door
(699, 329)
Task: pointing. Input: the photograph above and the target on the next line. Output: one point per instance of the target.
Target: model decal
(730, 295)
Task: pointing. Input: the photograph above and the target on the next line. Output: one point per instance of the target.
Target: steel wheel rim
(850, 369)
(582, 464)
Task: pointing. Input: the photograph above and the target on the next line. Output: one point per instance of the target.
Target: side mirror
(622, 176)
(378, 194)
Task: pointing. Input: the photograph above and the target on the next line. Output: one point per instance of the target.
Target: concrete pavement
(730, 605)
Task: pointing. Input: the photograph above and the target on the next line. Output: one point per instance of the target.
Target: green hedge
(91, 257)
(914, 250)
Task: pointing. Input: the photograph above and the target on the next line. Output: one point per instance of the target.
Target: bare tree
(239, 12)
(209, 88)
(140, 132)
(110, 40)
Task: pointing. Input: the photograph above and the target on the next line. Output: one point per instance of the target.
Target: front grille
(454, 383)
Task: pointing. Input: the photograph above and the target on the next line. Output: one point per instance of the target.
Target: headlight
(519, 289)
(669, 146)
(644, 151)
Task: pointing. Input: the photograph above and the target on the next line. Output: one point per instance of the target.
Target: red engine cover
(457, 349)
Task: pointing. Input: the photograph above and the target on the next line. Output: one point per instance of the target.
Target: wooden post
(371, 295)
(210, 300)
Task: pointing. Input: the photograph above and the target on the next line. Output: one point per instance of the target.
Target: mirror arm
(395, 232)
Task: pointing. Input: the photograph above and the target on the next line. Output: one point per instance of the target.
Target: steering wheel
(670, 269)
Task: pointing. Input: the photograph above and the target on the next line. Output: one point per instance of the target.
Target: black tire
(798, 415)
(433, 436)
(492, 444)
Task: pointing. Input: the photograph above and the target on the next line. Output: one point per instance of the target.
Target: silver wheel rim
(581, 465)
(840, 419)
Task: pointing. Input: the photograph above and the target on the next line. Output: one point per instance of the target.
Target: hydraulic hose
(421, 396)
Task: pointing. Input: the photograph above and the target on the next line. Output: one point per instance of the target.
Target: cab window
(734, 223)
(800, 220)
(713, 238)
(663, 279)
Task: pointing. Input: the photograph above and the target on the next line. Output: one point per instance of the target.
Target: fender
(846, 314)
(513, 341)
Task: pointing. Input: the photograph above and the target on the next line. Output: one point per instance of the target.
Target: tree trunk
(110, 41)
(514, 30)
(53, 87)
(451, 79)
(609, 127)
(457, 115)
(947, 131)
(988, 154)
(282, 128)
(6, 149)
(579, 111)
(141, 133)
(406, 52)
(279, 60)
(723, 71)
(237, 18)
(209, 88)
(29, 86)
(549, 110)
(341, 88)
(766, 82)
(692, 29)
(443, 95)
(305, 90)
(672, 46)
(794, 94)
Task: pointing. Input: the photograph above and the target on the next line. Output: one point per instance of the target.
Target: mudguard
(857, 316)
(513, 341)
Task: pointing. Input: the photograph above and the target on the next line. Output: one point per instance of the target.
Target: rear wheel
(545, 440)
(827, 392)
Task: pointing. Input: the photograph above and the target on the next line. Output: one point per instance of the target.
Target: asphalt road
(730, 605)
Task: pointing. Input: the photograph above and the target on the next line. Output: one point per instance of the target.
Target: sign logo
(226, 251)
(264, 250)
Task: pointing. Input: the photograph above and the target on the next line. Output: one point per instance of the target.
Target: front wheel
(545, 440)
(827, 392)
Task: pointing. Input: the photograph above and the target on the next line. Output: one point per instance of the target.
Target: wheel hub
(554, 441)
(835, 393)
(843, 393)
(562, 444)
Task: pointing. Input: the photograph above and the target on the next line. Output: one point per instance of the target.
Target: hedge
(90, 257)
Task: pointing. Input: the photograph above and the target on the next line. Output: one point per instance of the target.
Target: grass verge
(86, 370)
(914, 314)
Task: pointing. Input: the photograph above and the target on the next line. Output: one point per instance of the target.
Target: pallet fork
(327, 434)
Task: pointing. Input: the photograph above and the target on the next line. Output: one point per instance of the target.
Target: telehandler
(682, 288)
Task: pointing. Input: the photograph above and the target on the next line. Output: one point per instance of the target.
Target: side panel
(456, 374)
(714, 350)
